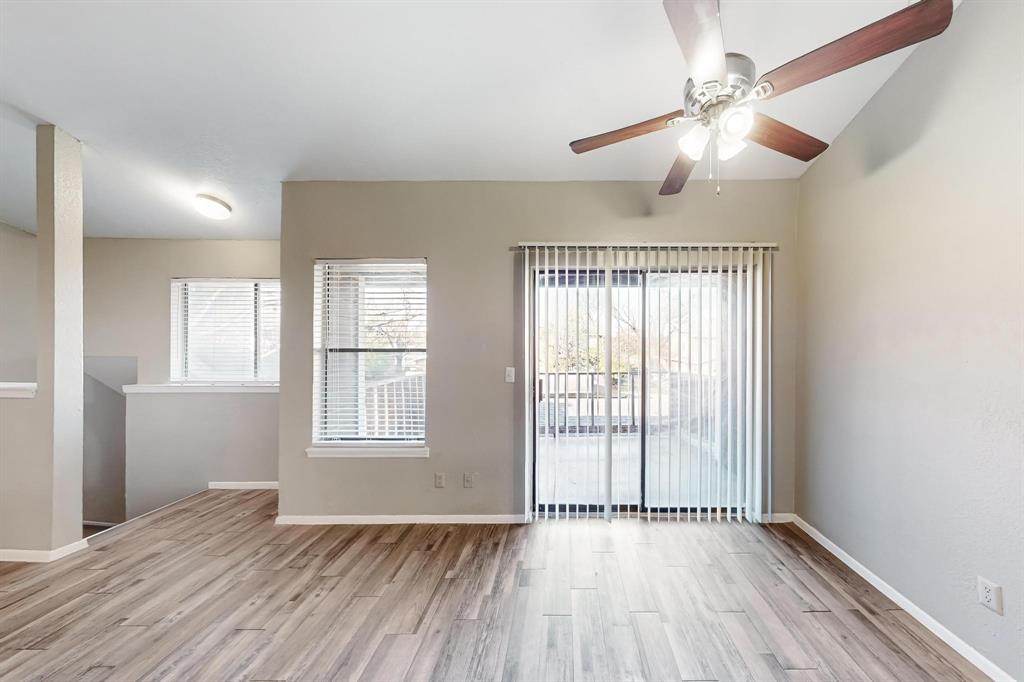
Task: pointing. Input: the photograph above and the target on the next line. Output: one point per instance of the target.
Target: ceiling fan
(721, 88)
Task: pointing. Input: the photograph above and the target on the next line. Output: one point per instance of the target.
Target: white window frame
(178, 379)
(355, 449)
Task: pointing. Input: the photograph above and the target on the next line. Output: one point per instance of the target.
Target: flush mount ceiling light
(723, 85)
(212, 207)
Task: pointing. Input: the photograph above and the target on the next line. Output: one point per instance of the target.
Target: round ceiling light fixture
(212, 207)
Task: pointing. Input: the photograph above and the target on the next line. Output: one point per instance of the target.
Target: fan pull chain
(715, 165)
(718, 175)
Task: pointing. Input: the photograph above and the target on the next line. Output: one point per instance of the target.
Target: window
(370, 352)
(225, 329)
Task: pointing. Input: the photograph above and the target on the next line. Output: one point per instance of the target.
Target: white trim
(919, 614)
(372, 519)
(99, 524)
(42, 556)
(367, 451)
(782, 517)
(372, 261)
(18, 389)
(233, 280)
(241, 387)
(152, 511)
(243, 485)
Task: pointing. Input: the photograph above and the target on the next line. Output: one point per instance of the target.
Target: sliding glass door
(571, 413)
(653, 354)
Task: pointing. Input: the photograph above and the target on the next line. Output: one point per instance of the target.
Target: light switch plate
(510, 375)
(439, 480)
(468, 478)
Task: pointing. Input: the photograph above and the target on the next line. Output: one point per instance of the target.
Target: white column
(41, 438)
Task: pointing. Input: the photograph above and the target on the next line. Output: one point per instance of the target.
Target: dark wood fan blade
(699, 34)
(677, 175)
(776, 135)
(923, 20)
(636, 130)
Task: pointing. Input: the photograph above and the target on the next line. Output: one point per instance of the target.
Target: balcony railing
(574, 403)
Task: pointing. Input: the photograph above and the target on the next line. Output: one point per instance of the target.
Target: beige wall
(17, 304)
(178, 443)
(103, 456)
(466, 231)
(168, 452)
(912, 289)
(128, 291)
(41, 437)
(175, 444)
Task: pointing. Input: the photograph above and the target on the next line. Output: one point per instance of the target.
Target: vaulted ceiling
(174, 98)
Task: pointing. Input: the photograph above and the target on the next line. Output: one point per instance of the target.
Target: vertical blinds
(370, 351)
(651, 380)
(225, 330)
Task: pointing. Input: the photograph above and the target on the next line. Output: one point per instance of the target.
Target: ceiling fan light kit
(722, 86)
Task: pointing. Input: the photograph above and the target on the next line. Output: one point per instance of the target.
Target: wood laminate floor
(211, 589)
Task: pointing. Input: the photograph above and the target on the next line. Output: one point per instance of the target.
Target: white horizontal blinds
(268, 331)
(370, 351)
(225, 330)
(685, 402)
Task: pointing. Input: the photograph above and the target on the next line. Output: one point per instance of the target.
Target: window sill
(17, 389)
(211, 387)
(368, 451)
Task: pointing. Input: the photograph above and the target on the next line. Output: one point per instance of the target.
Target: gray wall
(127, 315)
(21, 421)
(178, 443)
(17, 304)
(104, 453)
(911, 376)
(128, 291)
(466, 231)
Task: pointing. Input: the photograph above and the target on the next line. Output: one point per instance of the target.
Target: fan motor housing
(740, 79)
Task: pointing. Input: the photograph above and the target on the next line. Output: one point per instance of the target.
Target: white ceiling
(231, 98)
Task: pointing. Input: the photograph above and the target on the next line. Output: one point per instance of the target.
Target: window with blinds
(370, 351)
(225, 329)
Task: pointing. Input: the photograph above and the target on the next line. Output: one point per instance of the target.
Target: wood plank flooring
(210, 589)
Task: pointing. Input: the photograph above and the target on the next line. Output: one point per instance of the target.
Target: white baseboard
(940, 631)
(42, 556)
(372, 520)
(99, 524)
(243, 485)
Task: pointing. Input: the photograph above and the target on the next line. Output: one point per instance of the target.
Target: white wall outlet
(510, 375)
(990, 595)
(468, 479)
(439, 480)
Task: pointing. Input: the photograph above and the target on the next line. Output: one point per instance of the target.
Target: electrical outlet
(439, 481)
(990, 595)
(468, 479)
(510, 375)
